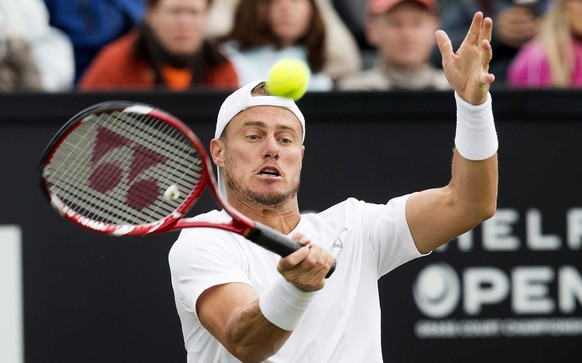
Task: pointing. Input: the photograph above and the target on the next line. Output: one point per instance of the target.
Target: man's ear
(216, 152)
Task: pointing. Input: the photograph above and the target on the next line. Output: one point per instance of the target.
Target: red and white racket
(123, 168)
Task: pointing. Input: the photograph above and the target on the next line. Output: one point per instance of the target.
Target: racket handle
(276, 242)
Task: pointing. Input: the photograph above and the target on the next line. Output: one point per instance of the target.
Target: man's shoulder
(192, 239)
(344, 208)
(213, 216)
(353, 208)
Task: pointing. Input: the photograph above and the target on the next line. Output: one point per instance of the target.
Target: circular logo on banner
(437, 290)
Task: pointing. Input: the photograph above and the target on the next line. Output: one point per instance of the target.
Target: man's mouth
(269, 172)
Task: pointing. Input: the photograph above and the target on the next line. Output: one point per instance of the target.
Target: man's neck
(283, 218)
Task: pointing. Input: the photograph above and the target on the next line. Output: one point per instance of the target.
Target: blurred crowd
(364, 45)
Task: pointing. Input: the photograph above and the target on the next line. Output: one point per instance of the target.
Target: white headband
(241, 100)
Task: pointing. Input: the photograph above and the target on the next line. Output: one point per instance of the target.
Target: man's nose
(271, 148)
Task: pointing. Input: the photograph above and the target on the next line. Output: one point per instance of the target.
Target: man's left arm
(437, 216)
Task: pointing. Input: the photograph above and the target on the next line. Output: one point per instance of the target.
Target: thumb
(445, 45)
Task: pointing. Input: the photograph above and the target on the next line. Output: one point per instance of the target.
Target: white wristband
(283, 304)
(476, 138)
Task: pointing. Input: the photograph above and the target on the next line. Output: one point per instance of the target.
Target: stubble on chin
(264, 199)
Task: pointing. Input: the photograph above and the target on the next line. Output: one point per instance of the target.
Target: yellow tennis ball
(288, 78)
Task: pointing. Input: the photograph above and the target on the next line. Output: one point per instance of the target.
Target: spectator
(18, 70)
(92, 24)
(266, 31)
(554, 57)
(513, 26)
(342, 54)
(220, 18)
(404, 33)
(51, 50)
(169, 51)
(354, 14)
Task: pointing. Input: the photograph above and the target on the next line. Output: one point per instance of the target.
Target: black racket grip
(276, 242)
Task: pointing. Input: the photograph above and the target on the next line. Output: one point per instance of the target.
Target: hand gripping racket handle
(276, 242)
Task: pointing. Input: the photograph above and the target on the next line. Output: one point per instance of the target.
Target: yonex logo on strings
(107, 175)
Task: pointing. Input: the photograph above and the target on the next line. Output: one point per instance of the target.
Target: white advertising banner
(11, 332)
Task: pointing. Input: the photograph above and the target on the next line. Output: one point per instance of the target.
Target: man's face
(262, 155)
(405, 36)
(179, 24)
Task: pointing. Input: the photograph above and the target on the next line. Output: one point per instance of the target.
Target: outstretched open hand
(467, 69)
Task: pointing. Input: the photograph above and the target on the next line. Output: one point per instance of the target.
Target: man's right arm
(252, 328)
(231, 313)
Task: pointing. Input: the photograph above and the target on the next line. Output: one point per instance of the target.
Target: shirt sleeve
(390, 235)
(202, 258)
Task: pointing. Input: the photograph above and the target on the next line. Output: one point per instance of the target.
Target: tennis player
(239, 302)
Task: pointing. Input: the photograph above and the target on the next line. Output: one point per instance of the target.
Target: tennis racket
(124, 168)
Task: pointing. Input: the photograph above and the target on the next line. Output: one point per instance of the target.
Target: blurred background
(379, 127)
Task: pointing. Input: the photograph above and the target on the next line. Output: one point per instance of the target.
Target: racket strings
(124, 210)
(88, 203)
(115, 167)
(91, 203)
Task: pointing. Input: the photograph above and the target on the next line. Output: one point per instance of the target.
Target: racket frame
(176, 220)
(256, 232)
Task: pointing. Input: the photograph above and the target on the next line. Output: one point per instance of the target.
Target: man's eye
(252, 137)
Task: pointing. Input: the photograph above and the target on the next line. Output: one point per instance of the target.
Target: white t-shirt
(342, 324)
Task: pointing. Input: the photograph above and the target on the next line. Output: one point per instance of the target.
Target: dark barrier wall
(509, 291)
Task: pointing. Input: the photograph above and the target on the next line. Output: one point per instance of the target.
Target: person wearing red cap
(403, 33)
(240, 302)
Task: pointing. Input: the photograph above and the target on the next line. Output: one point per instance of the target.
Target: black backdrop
(512, 290)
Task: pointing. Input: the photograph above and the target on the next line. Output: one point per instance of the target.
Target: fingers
(486, 54)
(301, 238)
(306, 267)
(480, 29)
(474, 34)
(294, 259)
(309, 259)
(487, 29)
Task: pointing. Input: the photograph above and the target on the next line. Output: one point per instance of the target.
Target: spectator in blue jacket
(92, 24)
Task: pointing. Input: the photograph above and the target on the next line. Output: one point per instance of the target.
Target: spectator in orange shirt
(168, 51)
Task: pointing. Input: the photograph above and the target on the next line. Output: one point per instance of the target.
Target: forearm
(437, 216)
(474, 171)
(251, 337)
(251, 328)
(474, 189)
